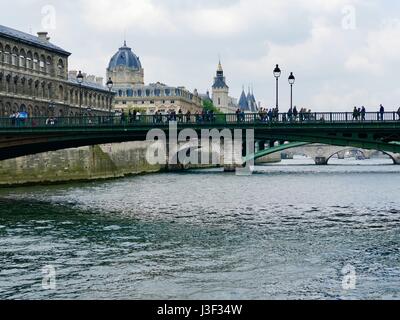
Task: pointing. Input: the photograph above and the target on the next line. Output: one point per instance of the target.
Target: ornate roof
(125, 57)
(219, 80)
(30, 39)
(243, 102)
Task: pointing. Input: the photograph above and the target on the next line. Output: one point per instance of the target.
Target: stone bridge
(322, 153)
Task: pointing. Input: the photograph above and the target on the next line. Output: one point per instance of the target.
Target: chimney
(43, 36)
(72, 74)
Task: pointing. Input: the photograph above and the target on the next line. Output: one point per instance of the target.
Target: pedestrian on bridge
(382, 112)
(295, 113)
(363, 113)
(355, 114)
(290, 114)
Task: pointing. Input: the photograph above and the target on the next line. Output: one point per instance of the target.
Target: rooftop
(30, 40)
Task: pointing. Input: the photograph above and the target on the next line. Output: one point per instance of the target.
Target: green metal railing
(199, 120)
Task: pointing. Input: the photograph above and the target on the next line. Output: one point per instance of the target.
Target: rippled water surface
(285, 232)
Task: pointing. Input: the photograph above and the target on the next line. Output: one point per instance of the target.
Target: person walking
(295, 113)
(290, 114)
(355, 113)
(382, 112)
(363, 113)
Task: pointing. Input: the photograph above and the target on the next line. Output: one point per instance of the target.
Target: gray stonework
(34, 79)
(86, 163)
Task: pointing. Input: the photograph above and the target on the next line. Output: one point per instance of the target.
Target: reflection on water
(285, 232)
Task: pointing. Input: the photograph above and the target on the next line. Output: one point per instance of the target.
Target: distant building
(127, 73)
(220, 93)
(34, 78)
(227, 104)
(248, 103)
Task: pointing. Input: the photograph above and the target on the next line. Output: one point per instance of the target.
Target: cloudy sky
(342, 52)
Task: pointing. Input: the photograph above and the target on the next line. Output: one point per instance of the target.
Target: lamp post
(79, 79)
(291, 80)
(277, 74)
(51, 108)
(109, 86)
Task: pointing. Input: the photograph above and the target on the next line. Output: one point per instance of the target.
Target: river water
(286, 232)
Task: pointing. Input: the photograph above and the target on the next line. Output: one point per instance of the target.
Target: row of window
(150, 102)
(20, 85)
(30, 60)
(153, 93)
(7, 109)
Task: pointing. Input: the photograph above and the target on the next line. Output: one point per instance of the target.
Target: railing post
(347, 118)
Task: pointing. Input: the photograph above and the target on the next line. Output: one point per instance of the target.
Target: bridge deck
(310, 120)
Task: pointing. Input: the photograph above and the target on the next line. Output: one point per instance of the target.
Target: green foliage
(209, 106)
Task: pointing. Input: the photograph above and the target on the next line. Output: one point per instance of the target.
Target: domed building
(127, 74)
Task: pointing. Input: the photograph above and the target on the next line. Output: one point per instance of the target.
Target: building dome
(125, 57)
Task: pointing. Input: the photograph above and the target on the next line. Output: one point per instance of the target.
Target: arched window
(7, 54)
(60, 66)
(120, 93)
(1, 53)
(167, 92)
(49, 65)
(29, 58)
(8, 109)
(147, 93)
(22, 58)
(36, 62)
(61, 93)
(129, 93)
(157, 92)
(42, 63)
(14, 57)
(139, 93)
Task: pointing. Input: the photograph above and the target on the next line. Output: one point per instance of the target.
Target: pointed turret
(219, 81)
(243, 102)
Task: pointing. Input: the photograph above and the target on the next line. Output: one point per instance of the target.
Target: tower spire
(220, 66)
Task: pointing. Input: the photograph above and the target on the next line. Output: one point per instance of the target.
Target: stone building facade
(126, 71)
(34, 78)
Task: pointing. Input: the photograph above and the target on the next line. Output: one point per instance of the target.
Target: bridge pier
(396, 159)
(321, 161)
(341, 155)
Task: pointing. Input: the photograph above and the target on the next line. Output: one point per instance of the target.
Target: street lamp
(110, 85)
(277, 74)
(51, 108)
(79, 79)
(291, 80)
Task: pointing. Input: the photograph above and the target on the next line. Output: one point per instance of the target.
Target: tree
(209, 106)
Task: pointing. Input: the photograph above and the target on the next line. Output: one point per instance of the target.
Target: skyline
(337, 50)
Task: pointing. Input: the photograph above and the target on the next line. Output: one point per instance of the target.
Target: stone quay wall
(80, 164)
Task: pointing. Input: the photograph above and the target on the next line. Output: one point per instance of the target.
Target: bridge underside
(373, 136)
